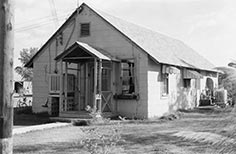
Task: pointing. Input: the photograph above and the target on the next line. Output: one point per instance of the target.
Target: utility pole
(6, 75)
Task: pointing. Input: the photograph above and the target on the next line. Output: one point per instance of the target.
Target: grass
(156, 137)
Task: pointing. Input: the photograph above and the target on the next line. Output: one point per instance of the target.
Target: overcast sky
(207, 26)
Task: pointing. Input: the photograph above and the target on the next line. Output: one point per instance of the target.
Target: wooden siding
(44, 65)
(40, 83)
(102, 36)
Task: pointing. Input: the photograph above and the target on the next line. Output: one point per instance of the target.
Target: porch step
(83, 114)
(66, 119)
(71, 116)
(75, 114)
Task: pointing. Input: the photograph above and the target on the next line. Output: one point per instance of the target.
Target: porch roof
(83, 51)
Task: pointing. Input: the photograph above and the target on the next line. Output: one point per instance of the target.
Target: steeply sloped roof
(162, 48)
(89, 50)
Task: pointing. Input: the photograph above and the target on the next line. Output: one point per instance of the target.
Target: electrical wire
(54, 13)
(38, 24)
(68, 11)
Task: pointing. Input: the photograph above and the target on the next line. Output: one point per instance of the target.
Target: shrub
(99, 140)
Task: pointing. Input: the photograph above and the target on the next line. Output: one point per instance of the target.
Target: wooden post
(78, 84)
(100, 85)
(65, 82)
(6, 75)
(61, 88)
(95, 84)
(86, 84)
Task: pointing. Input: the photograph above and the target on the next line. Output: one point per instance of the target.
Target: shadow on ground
(25, 117)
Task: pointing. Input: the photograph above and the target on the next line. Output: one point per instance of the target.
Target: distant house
(22, 89)
(118, 67)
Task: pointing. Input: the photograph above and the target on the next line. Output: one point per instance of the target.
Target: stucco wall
(206, 75)
(157, 105)
(178, 97)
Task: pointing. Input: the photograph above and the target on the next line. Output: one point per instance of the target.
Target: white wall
(178, 97)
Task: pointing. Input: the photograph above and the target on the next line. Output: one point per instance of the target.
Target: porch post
(61, 88)
(86, 83)
(65, 82)
(100, 85)
(95, 85)
(79, 85)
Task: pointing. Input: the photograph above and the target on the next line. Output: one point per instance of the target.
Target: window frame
(130, 78)
(81, 29)
(165, 88)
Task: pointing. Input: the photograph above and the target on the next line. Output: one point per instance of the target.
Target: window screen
(127, 73)
(84, 29)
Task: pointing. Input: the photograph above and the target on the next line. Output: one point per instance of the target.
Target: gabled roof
(161, 48)
(84, 50)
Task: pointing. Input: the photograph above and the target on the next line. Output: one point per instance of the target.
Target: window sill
(81, 36)
(164, 96)
(127, 96)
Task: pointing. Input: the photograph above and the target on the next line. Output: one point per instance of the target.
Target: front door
(105, 86)
(106, 90)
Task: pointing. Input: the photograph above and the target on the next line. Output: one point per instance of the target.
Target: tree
(25, 55)
(227, 80)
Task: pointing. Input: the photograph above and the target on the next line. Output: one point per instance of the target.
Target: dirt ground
(194, 133)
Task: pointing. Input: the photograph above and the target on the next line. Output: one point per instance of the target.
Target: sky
(207, 26)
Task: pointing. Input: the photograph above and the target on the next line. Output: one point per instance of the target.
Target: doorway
(86, 86)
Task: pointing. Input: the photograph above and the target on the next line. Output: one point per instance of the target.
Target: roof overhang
(81, 51)
(191, 74)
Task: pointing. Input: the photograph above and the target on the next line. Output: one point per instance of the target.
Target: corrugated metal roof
(162, 48)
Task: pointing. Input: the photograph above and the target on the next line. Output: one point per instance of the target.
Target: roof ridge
(179, 53)
(132, 23)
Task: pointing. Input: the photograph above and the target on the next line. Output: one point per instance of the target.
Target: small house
(98, 60)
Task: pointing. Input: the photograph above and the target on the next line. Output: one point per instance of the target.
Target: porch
(85, 78)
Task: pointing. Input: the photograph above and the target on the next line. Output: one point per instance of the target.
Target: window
(70, 82)
(127, 74)
(187, 83)
(106, 79)
(85, 29)
(54, 83)
(165, 87)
